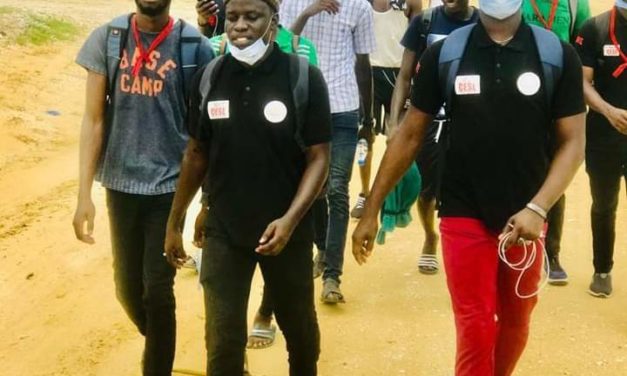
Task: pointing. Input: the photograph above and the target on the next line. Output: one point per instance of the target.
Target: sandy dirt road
(59, 316)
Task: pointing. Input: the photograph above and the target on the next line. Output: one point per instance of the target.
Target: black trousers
(605, 169)
(320, 212)
(143, 278)
(226, 274)
(555, 222)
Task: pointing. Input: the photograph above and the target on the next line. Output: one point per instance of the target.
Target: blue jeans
(343, 145)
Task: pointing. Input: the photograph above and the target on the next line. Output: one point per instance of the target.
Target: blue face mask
(621, 4)
(500, 9)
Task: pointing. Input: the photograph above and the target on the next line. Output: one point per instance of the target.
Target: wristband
(537, 209)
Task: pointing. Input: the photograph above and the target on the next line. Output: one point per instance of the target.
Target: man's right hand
(618, 118)
(363, 238)
(199, 227)
(206, 9)
(84, 221)
(329, 6)
(173, 247)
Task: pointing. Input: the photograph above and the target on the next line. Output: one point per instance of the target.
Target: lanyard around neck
(144, 55)
(548, 24)
(623, 66)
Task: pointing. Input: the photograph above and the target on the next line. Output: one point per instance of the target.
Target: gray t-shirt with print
(146, 133)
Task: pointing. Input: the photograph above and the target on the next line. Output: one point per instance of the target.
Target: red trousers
(492, 322)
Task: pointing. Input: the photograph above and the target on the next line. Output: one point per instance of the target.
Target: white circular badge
(528, 83)
(275, 112)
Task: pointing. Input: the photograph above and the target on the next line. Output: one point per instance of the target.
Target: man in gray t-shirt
(132, 141)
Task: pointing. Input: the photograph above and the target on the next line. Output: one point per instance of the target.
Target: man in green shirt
(564, 18)
(263, 331)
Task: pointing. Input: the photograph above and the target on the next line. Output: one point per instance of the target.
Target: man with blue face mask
(509, 89)
(264, 170)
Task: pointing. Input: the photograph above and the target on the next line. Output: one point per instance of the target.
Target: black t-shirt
(255, 163)
(498, 156)
(417, 39)
(597, 51)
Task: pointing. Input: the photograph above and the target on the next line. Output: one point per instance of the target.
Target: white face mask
(621, 4)
(253, 53)
(500, 9)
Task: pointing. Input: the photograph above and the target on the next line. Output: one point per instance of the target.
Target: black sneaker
(557, 274)
(601, 285)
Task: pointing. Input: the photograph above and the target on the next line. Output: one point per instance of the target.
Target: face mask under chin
(253, 53)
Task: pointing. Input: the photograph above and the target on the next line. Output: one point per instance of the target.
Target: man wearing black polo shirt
(261, 184)
(600, 45)
(499, 178)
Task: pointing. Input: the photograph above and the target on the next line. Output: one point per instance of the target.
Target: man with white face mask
(261, 183)
(497, 177)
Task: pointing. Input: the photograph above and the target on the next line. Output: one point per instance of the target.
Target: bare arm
(278, 232)
(401, 90)
(616, 116)
(363, 71)
(400, 154)
(413, 8)
(193, 171)
(571, 143)
(91, 142)
(329, 6)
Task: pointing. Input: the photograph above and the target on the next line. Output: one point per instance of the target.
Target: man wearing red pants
(511, 90)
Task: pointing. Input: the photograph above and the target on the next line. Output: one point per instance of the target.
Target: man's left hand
(275, 237)
(525, 225)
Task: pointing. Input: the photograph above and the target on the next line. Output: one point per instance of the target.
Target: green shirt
(562, 22)
(284, 38)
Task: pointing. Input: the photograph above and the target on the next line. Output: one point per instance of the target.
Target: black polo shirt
(255, 164)
(600, 54)
(498, 156)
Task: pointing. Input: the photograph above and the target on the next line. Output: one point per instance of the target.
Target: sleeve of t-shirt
(413, 38)
(307, 50)
(586, 44)
(317, 127)
(583, 14)
(426, 94)
(568, 97)
(93, 54)
(196, 122)
(363, 34)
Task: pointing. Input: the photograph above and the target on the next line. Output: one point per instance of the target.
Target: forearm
(310, 185)
(193, 171)
(399, 97)
(399, 155)
(568, 157)
(363, 72)
(298, 25)
(205, 30)
(91, 140)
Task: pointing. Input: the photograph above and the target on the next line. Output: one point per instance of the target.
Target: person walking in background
(428, 27)
(564, 18)
(600, 45)
(503, 97)
(344, 37)
(139, 70)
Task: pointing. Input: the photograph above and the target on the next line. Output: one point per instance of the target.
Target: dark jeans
(555, 221)
(143, 278)
(605, 169)
(343, 145)
(226, 274)
(320, 212)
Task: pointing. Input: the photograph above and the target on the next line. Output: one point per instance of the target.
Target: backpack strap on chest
(299, 85)
(551, 56)
(117, 31)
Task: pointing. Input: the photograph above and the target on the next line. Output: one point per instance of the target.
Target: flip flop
(331, 293)
(263, 334)
(428, 264)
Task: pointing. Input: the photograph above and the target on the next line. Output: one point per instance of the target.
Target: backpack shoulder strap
(117, 30)
(551, 56)
(190, 45)
(427, 20)
(450, 58)
(299, 83)
(208, 79)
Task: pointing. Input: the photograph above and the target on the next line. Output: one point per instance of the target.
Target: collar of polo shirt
(483, 40)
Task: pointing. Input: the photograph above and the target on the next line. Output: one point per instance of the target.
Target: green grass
(6, 10)
(41, 30)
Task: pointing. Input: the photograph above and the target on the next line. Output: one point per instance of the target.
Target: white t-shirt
(389, 28)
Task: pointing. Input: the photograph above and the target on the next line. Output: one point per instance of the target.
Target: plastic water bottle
(362, 151)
